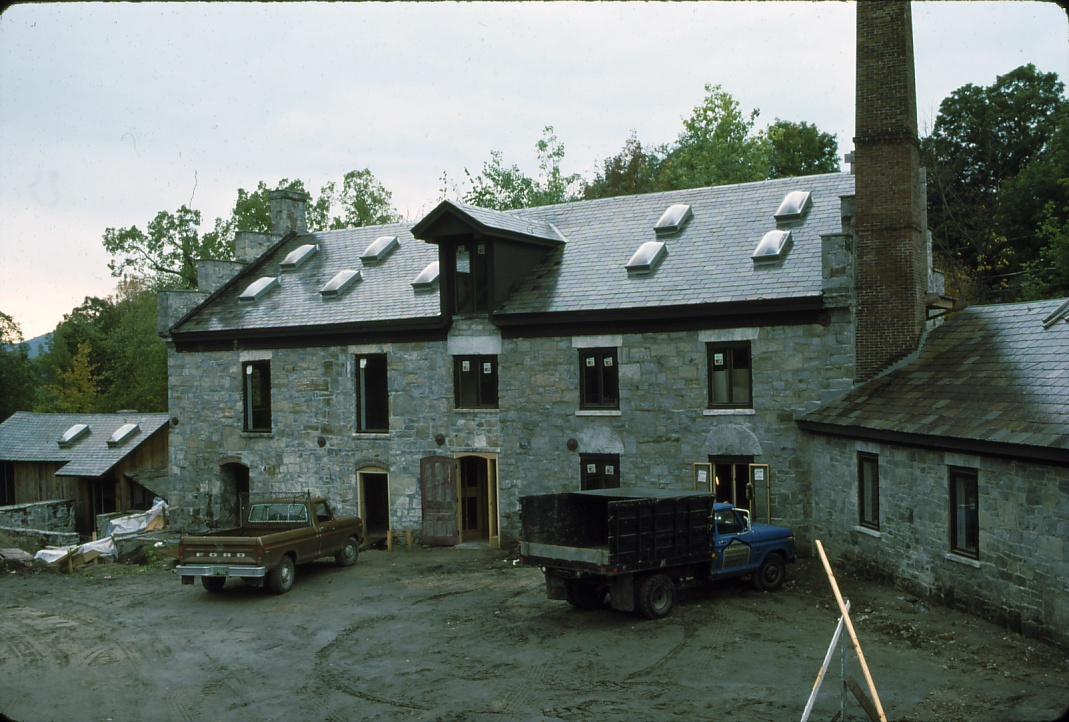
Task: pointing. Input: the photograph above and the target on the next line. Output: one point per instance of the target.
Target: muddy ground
(464, 634)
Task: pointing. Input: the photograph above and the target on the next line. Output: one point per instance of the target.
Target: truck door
(328, 529)
(438, 491)
(733, 551)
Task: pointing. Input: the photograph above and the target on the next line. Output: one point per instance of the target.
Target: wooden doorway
(438, 497)
(235, 493)
(477, 508)
(731, 477)
(373, 493)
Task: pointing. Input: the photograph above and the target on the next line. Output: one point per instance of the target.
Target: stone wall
(661, 428)
(32, 540)
(56, 515)
(1022, 576)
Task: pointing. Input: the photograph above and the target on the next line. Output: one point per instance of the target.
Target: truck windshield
(728, 522)
(278, 513)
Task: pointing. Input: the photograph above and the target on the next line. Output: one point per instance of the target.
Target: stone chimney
(288, 211)
(892, 270)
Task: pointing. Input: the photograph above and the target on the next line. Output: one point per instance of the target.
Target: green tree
(17, 381)
(716, 146)
(503, 188)
(631, 171)
(76, 388)
(361, 201)
(134, 374)
(991, 173)
(800, 149)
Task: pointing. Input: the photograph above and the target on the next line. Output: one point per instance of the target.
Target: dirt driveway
(463, 634)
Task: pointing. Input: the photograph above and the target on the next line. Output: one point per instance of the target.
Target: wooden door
(439, 499)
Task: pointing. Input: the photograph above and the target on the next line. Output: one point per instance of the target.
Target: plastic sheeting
(151, 520)
(100, 548)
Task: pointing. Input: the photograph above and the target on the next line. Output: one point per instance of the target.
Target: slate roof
(33, 437)
(990, 374)
(708, 262)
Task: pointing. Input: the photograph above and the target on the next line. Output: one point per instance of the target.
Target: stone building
(755, 339)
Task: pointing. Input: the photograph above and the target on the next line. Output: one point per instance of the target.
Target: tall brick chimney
(892, 259)
(288, 211)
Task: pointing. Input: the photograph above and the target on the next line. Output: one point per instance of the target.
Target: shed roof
(588, 244)
(992, 375)
(33, 437)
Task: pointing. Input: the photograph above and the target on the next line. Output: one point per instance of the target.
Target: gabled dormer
(483, 253)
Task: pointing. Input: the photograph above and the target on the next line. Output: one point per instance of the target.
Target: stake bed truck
(635, 546)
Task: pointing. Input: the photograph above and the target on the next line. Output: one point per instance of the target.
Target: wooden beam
(853, 634)
(863, 699)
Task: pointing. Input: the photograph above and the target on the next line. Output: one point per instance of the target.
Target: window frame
(864, 457)
(728, 348)
(599, 354)
(954, 473)
(479, 402)
(601, 461)
(249, 409)
(478, 300)
(360, 423)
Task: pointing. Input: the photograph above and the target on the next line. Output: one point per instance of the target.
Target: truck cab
(745, 548)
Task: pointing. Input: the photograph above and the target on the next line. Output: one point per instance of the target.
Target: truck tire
(213, 584)
(770, 576)
(656, 596)
(347, 555)
(280, 580)
(585, 596)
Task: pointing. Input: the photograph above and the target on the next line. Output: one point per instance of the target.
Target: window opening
(964, 513)
(372, 394)
(730, 375)
(868, 490)
(598, 379)
(475, 382)
(7, 483)
(257, 395)
(470, 292)
(599, 471)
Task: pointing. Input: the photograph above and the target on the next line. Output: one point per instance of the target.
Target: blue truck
(634, 547)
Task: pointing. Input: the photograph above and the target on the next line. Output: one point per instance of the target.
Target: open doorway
(373, 493)
(477, 513)
(731, 476)
(235, 489)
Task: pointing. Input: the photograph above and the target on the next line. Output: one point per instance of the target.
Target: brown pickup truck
(275, 536)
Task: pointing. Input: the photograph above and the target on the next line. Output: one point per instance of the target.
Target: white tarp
(151, 520)
(101, 547)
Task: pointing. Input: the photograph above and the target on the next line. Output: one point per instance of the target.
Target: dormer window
(470, 278)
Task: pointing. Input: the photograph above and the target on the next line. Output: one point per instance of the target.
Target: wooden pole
(408, 540)
(850, 630)
(389, 540)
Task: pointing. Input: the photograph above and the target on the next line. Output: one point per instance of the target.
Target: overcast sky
(110, 113)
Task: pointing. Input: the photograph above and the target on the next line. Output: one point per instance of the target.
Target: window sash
(256, 385)
(475, 388)
(470, 277)
(731, 380)
(964, 513)
(599, 379)
(868, 490)
(372, 394)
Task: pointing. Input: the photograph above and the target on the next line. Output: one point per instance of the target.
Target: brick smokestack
(892, 263)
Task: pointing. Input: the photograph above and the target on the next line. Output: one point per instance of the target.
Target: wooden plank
(863, 700)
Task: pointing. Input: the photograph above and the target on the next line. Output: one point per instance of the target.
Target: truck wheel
(213, 584)
(585, 596)
(280, 580)
(770, 576)
(346, 557)
(656, 596)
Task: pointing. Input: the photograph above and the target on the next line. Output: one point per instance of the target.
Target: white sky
(110, 113)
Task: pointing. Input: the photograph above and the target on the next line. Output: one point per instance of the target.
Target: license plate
(218, 571)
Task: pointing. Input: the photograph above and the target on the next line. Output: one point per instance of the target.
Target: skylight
(773, 246)
(123, 433)
(427, 277)
(340, 283)
(794, 206)
(674, 219)
(646, 259)
(380, 250)
(258, 288)
(298, 255)
(1060, 314)
(73, 434)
